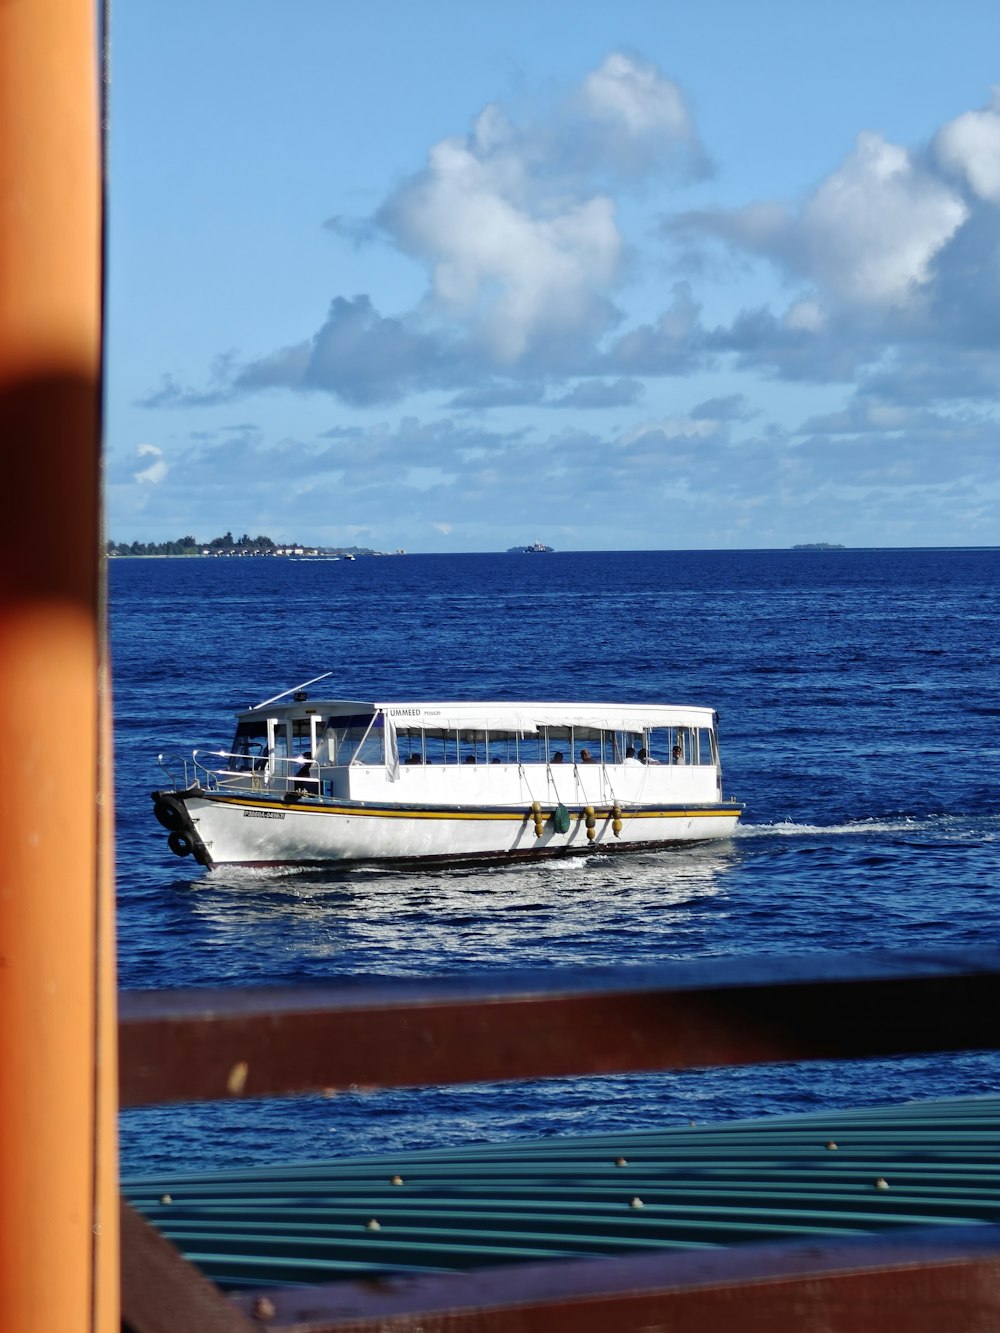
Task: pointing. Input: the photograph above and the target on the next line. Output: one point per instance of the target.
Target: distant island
(533, 549)
(228, 545)
(819, 546)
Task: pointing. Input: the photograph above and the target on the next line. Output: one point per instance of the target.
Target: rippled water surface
(859, 701)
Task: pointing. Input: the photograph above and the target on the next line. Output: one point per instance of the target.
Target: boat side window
(556, 745)
(656, 745)
(301, 736)
(501, 747)
(706, 746)
(371, 749)
(587, 743)
(690, 745)
(682, 749)
(528, 749)
(474, 747)
(678, 745)
(353, 738)
(439, 746)
(410, 745)
(632, 741)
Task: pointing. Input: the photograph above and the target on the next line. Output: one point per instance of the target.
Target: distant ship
(819, 546)
(535, 548)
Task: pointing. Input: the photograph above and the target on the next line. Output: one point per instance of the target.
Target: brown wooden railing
(214, 1044)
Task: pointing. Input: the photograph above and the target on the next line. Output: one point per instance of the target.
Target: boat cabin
(455, 753)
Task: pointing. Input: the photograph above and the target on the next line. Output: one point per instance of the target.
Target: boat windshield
(249, 746)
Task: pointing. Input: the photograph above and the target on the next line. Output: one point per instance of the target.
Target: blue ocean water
(859, 696)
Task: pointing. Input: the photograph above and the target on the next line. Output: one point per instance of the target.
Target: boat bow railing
(172, 764)
(224, 770)
(212, 777)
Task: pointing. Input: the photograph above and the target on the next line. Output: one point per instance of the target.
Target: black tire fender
(171, 815)
(180, 843)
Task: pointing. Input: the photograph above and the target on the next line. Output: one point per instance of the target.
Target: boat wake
(954, 827)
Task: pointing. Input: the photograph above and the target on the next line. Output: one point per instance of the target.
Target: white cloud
(866, 237)
(635, 95)
(888, 281)
(357, 354)
(598, 393)
(892, 264)
(521, 239)
(517, 226)
(805, 316)
(156, 472)
(866, 415)
(969, 147)
(669, 346)
(872, 229)
(506, 258)
(672, 428)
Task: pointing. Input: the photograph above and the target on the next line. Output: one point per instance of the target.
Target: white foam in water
(787, 829)
(937, 825)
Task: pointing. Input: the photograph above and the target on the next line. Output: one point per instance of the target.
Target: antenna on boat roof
(294, 690)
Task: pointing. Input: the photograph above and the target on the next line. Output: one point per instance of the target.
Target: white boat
(307, 782)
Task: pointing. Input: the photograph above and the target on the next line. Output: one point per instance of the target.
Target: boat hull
(261, 830)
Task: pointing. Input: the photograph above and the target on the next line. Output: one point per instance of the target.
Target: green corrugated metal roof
(821, 1175)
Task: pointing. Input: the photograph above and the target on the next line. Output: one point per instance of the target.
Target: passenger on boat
(414, 759)
(630, 755)
(646, 758)
(586, 757)
(304, 772)
(557, 757)
(470, 758)
(677, 755)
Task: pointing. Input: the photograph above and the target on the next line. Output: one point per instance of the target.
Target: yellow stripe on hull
(514, 815)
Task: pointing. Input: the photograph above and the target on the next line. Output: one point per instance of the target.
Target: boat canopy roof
(520, 716)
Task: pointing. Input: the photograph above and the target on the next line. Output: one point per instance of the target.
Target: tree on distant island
(188, 546)
(182, 546)
(226, 545)
(244, 543)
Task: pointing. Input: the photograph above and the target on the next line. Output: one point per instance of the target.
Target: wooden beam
(920, 1281)
(163, 1293)
(209, 1044)
(58, 1196)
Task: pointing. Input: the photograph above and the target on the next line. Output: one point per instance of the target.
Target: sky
(643, 276)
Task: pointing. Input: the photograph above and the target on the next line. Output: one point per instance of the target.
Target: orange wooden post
(58, 1205)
